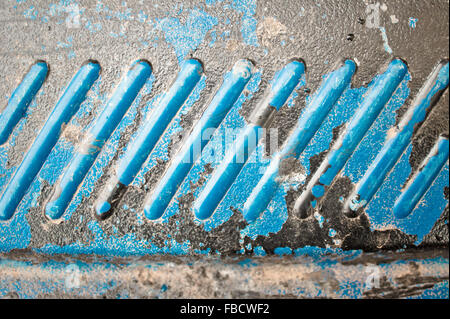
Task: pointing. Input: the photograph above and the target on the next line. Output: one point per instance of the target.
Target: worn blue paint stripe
(96, 138)
(67, 106)
(423, 179)
(226, 173)
(284, 84)
(377, 97)
(137, 153)
(21, 98)
(309, 122)
(395, 146)
(232, 87)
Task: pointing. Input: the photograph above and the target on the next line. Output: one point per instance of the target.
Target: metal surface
(409, 275)
(87, 162)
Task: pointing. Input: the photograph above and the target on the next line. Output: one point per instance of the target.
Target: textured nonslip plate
(107, 110)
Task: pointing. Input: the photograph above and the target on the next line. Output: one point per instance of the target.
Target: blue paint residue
(185, 38)
(248, 21)
(412, 22)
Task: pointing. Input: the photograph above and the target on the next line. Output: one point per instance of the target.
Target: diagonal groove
(232, 87)
(148, 136)
(67, 106)
(308, 123)
(395, 146)
(21, 98)
(96, 138)
(227, 171)
(423, 179)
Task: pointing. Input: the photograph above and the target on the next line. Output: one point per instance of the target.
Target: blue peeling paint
(127, 245)
(21, 98)
(280, 251)
(160, 152)
(377, 134)
(15, 233)
(108, 150)
(31, 13)
(418, 223)
(185, 38)
(422, 181)
(412, 22)
(248, 21)
(137, 153)
(386, 46)
(213, 154)
(438, 291)
(47, 138)
(232, 87)
(284, 83)
(396, 145)
(376, 98)
(96, 138)
(226, 173)
(309, 122)
(348, 286)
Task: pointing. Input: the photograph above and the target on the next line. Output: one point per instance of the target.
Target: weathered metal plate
(102, 103)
